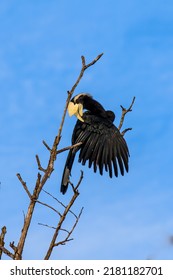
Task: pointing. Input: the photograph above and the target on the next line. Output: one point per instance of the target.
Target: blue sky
(129, 217)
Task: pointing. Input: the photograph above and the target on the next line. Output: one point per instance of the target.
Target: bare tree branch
(7, 252)
(50, 207)
(41, 180)
(39, 164)
(44, 225)
(63, 242)
(69, 148)
(125, 130)
(59, 202)
(124, 112)
(2, 243)
(84, 67)
(54, 197)
(24, 185)
(2, 237)
(59, 226)
(75, 189)
(92, 62)
(46, 145)
(13, 246)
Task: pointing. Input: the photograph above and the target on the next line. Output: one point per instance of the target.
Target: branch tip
(83, 61)
(24, 185)
(46, 145)
(124, 112)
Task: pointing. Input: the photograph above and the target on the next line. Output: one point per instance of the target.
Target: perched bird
(102, 146)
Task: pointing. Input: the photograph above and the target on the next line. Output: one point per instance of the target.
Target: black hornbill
(102, 146)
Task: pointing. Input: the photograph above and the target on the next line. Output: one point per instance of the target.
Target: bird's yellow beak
(76, 109)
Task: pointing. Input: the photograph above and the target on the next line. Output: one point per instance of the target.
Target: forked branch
(67, 209)
(124, 112)
(42, 179)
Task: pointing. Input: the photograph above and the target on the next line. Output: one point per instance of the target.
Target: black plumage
(102, 146)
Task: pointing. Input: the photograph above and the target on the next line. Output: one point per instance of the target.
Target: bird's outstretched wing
(103, 145)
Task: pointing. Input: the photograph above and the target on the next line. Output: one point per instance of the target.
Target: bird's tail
(67, 171)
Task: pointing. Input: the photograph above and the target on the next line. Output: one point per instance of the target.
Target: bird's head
(77, 105)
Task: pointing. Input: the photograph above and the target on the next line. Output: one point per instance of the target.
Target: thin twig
(2, 237)
(46, 145)
(75, 189)
(70, 232)
(2, 243)
(50, 207)
(94, 61)
(60, 202)
(125, 130)
(37, 187)
(59, 226)
(63, 242)
(13, 246)
(39, 164)
(54, 198)
(65, 230)
(84, 67)
(7, 252)
(45, 225)
(69, 147)
(24, 185)
(124, 112)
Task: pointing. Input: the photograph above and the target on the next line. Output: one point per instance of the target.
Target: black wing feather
(103, 146)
